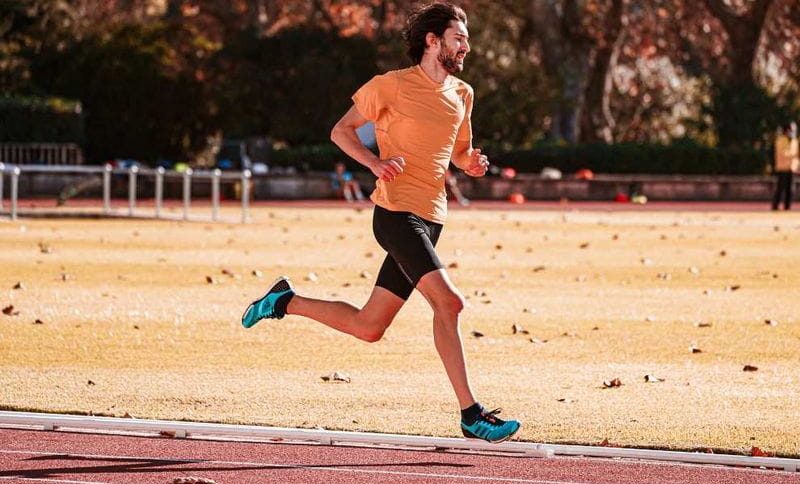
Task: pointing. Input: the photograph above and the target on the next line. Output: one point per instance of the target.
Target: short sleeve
(375, 96)
(465, 130)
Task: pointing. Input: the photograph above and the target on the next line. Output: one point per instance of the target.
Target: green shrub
(40, 120)
(684, 157)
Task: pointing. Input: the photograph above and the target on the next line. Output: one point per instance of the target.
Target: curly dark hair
(434, 18)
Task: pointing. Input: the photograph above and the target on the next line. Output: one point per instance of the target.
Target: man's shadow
(132, 465)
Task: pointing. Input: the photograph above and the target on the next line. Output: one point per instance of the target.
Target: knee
(450, 305)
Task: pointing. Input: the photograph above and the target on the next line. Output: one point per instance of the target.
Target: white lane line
(344, 469)
(52, 480)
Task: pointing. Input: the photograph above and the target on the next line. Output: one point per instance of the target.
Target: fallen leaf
(127, 415)
(723, 253)
(65, 277)
(650, 319)
(750, 368)
(257, 273)
(646, 261)
(756, 452)
(477, 334)
(539, 268)
(227, 272)
(167, 433)
(369, 255)
(604, 443)
(596, 328)
(694, 270)
(9, 311)
(701, 324)
(694, 349)
(90, 382)
(44, 248)
(612, 383)
(770, 322)
(498, 247)
(538, 341)
(652, 379)
(529, 310)
(733, 288)
(193, 480)
(312, 277)
(566, 400)
(569, 334)
(38, 321)
(584, 245)
(452, 265)
(18, 286)
(665, 276)
(615, 237)
(211, 280)
(518, 329)
(336, 376)
(365, 275)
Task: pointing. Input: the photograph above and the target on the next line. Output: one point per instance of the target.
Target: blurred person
(422, 120)
(344, 184)
(452, 186)
(787, 162)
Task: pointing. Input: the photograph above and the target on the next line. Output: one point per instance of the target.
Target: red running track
(28, 456)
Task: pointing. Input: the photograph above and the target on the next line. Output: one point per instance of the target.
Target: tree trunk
(566, 58)
(597, 122)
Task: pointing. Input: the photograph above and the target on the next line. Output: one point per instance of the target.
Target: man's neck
(433, 68)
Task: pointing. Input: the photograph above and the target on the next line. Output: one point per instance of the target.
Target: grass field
(130, 324)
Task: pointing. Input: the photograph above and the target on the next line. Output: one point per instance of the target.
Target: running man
(422, 121)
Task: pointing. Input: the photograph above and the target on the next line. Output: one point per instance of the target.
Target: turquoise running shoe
(269, 307)
(490, 428)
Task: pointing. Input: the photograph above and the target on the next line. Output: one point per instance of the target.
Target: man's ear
(431, 39)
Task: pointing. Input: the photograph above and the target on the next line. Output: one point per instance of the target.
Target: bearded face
(452, 60)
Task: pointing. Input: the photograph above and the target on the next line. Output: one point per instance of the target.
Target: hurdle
(134, 173)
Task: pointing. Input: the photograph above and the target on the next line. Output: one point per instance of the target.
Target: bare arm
(345, 137)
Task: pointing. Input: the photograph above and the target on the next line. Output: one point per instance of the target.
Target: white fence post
(2, 175)
(159, 190)
(107, 189)
(14, 191)
(187, 192)
(245, 196)
(134, 170)
(215, 194)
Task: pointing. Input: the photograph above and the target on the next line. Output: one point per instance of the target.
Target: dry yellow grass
(136, 316)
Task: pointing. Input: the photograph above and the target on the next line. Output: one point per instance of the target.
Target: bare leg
(447, 303)
(368, 323)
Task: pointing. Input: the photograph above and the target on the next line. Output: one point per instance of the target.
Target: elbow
(335, 133)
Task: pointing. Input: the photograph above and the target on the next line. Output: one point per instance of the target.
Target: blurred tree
(26, 28)
(293, 85)
(578, 43)
(141, 99)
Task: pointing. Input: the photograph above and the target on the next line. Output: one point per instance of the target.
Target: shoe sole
(288, 281)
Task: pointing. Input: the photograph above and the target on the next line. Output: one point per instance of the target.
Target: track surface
(58, 457)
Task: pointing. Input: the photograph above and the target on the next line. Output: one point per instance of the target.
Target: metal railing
(41, 153)
(133, 173)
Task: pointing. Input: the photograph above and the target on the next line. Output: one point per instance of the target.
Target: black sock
(470, 414)
(282, 303)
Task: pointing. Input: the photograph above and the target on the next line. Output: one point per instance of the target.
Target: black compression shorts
(409, 241)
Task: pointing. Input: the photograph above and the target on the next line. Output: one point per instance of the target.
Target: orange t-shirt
(420, 120)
